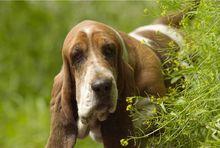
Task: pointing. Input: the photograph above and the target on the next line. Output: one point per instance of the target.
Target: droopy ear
(126, 82)
(63, 130)
(68, 100)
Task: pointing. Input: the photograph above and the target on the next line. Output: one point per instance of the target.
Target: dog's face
(93, 50)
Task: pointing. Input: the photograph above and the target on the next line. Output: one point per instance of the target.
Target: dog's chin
(95, 114)
(98, 111)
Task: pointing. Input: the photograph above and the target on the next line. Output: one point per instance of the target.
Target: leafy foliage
(191, 117)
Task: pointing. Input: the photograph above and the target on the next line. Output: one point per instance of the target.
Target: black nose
(102, 86)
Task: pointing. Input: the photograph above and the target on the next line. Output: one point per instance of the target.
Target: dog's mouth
(99, 112)
(94, 113)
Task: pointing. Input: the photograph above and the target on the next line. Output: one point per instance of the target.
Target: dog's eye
(77, 57)
(109, 50)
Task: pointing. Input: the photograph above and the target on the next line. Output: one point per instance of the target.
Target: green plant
(191, 117)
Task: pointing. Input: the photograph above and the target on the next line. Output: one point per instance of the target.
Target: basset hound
(101, 67)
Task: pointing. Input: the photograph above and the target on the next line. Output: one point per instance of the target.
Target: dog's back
(163, 33)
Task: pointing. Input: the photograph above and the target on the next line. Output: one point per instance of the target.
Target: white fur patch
(167, 30)
(82, 129)
(88, 30)
(86, 101)
(141, 38)
(95, 133)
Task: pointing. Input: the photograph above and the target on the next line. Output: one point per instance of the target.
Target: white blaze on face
(87, 100)
(87, 97)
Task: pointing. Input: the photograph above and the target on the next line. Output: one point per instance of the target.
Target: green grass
(31, 36)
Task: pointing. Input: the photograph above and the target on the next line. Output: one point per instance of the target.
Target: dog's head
(92, 54)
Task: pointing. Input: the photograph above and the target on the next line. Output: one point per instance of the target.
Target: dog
(101, 67)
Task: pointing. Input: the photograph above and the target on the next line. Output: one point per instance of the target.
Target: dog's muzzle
(102, 87)
(99, 99)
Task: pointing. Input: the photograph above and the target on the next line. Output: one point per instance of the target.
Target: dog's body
(101, 67)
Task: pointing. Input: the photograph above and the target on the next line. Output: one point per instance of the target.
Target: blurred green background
(31, 37)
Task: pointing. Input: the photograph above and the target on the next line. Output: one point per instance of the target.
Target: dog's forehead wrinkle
(89, 31)
(90, 27)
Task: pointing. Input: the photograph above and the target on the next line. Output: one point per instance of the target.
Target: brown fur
(160, 43)
(63, 129)
(140, 75)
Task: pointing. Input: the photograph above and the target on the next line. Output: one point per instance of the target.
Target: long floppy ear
(126, 81)
(68, 100)
(63, 131)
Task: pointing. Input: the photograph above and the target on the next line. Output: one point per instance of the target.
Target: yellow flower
(171, 44)
(146, 122)
(124, 142)
(152, 98)
(143, 41)
(183, 86)
(129, 99)
(129, 107)
(163, 13)
(176, 62)
(175, 69)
